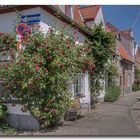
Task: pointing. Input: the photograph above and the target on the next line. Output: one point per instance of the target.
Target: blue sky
(123, 17)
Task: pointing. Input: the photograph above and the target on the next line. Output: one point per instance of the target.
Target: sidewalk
(107, 119)
(135, 111)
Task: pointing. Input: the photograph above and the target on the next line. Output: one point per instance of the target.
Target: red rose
(22, 109)
(47, 70)
(49, 58)
(75, 32)
(40, 63)
(53, 110)
(83, 70)
(30, 85)
(61, 66)
(65, 25)
(37, 68)
(50, 29)
(44, 43)
(47, 51)
(92, 67)
(37, 78)
(45, 109)
(13, 105)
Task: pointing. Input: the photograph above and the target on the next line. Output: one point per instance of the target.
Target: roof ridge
(88, 6)
(121, 31)
(112, 26)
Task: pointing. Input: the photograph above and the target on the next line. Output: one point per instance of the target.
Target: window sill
(79, 96)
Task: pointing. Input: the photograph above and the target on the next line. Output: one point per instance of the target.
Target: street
(117, 119)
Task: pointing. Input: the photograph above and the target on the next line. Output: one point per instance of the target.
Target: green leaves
(100, 43)
(40, 75)
(3, 111)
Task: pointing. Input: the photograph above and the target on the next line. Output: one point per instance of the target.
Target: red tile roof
(89, 12)
(77, 16)
(112, 28)
(124, 54)
(83, 14)
(127, 32)
(107, 28)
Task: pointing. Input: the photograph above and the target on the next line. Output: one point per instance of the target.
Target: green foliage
(7, 41)
(100, 44)
(3, 115)
(39, 75)
(137, 73)
(3, 112)
(111, 72)
(112, 93)
(136, 84)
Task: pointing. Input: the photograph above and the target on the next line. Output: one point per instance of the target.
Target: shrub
(136, 86)
(112, 93)
(39, 75)
(3, 112)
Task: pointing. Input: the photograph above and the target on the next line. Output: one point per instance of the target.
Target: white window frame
(4, 56)
(77, 85)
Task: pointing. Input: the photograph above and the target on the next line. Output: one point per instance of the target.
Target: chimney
(131, 32)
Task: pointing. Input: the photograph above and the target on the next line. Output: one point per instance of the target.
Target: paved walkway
(107, 119)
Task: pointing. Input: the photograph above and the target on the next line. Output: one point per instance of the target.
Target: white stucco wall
(90, 24)
(86, 99)
(8, 20)
(47, 20)
(99, 18)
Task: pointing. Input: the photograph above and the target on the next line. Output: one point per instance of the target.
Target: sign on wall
(22, 29)
(31, 19)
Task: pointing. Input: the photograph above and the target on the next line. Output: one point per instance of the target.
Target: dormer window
(118, 36)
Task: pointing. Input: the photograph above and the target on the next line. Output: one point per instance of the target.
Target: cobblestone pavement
(107, 119)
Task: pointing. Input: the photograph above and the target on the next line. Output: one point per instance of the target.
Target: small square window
(78, 85)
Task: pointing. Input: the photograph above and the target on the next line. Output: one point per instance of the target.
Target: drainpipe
(123, 80)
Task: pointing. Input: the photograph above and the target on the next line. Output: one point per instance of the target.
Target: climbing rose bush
(40, 75)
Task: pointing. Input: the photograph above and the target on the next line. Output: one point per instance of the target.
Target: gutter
(51, 9)
(66, 19)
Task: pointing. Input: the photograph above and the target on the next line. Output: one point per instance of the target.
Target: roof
(107, 28)
(127, 32)
(77, 16)
(83, 14)
(137, 61)
(89, 12)
(124, 54)
(111, 28)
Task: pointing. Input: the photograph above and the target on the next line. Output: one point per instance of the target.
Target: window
(78, 85)
(4, 56)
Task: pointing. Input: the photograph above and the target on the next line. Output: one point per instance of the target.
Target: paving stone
(108, 119)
